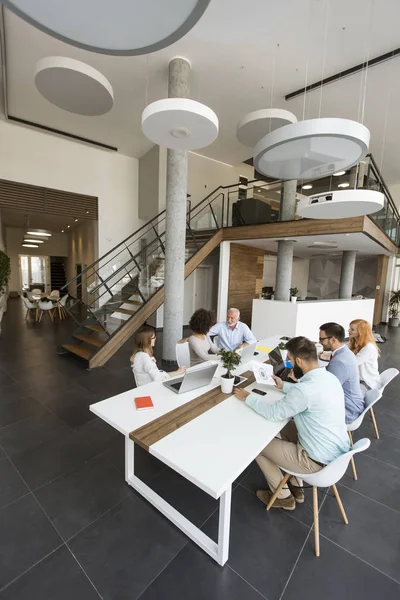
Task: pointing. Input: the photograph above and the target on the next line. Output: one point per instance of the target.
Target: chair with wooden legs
(386, 378)
(325, 478)
(371, 398)
(62, 313)
(46, 307)
(29, 306)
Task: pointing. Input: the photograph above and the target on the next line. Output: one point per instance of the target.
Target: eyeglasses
(328, 337)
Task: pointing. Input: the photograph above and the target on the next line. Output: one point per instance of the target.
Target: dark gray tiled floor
(70, 527)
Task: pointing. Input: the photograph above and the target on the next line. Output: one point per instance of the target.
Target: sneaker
(285, 503)
(297, 492)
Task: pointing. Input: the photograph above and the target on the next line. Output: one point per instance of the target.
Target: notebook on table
(143, 403)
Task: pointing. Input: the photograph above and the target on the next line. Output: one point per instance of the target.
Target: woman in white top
(362, 343)
(200, 342)
(143, 363)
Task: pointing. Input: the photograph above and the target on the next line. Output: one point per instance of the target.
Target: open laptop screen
(275, 356)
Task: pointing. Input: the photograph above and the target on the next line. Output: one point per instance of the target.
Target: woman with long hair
(363, 344)
(143, 363)
(200, 342)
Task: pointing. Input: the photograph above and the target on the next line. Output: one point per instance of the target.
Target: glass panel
(38, 269)
(24, 267)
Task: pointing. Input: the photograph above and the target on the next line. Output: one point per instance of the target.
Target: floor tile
(264, 546)
(52, 459)
(368, 521)
(2, 454)
(98, 434)
(26, 537)
(336, 574)
(75, 500)
(56, 577)
(30, 432)
(5, 380)
(193, 574)
(15, 391)
(376, 479)
(387, 424)
(146, 465)
(16, 410)
(127, 548)
(11, 484)
(386, 449)
(72, 406)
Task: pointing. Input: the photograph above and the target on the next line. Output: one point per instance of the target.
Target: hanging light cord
(327, 7)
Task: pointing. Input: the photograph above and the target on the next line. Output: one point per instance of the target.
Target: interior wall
(324, 277)
(149, 179)
(37, 158)
(2, 235)
(56, 246)
(245, 279)
(300, 273)
(82, 249)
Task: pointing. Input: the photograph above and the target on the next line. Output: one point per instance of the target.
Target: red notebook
(143, 403)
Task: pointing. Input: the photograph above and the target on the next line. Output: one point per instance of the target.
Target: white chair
(36, 291)
(371, 398)
(29, 306)
(387, 376)
(182, 353)
(327, 477)
(46, 306)
(62, 313)
(55, 295)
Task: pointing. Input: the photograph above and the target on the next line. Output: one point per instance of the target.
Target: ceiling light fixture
(128, 29)
(87, 212)
(62, 230)
(343, 185)
(76, 220)
(68, 226)
(34, 241)
(339, 173)
(258, 123)
(308, 186)
(39, 232)
(30, 246)
(340, 204)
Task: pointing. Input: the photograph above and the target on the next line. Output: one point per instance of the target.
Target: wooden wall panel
(245, 278)
(381, 275)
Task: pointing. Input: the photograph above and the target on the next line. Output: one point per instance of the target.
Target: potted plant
(230, 360)
(394, 308)
(282, 348)
(293, 294)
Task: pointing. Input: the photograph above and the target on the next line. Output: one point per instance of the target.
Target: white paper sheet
(263, 373)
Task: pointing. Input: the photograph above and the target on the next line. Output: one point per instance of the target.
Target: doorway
(78, 271)
(203, 285)
(34, 271)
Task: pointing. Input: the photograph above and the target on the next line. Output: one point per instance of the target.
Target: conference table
(206, 436)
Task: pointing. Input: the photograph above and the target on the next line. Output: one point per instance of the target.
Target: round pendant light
(340, 204)
(259, 123)
(121, 27)
(180, 124)
(311, 149)
(74, 86)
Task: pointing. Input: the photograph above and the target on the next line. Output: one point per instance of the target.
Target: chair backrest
(63, 300)
(333, 472)
(54, 294)
(27, 303)
(182, 353)
(370, 398)
(387, 376)
(47, 305)
(36, 291)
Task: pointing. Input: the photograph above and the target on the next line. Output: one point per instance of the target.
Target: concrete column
(284, 263)
(347, 273)
(175, 225)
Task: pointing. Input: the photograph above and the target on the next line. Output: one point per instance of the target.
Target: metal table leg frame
(219, 552)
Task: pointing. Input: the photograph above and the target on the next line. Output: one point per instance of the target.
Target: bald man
(232, 333)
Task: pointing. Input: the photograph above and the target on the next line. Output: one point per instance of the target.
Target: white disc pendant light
(120, 27)
(311, 149)
(74, 86)
(340, 204)
(259, 123)
(180, 124)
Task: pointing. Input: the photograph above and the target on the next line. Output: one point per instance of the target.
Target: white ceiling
(53, 223)
(234, 53)
(360, 242)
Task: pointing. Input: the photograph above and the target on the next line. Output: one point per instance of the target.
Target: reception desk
(274, 317)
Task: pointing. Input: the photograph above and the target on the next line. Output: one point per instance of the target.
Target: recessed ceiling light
(308, 186)
(30, 246)
(34, 241)
(39, 232)
(76, 220)
(339, 173)
(343, 185)
(68, 226)
(87, 212)
(326, 244)
(62, 230)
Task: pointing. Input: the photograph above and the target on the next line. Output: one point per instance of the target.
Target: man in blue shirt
(232, 333)
(343, 364)
(316, 436)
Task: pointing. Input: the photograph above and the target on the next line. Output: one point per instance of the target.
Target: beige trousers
(289, 454)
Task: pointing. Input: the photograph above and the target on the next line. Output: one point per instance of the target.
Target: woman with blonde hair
(143, 363)
(363, 344)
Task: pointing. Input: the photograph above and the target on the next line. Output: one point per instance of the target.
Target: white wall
(29, 156)
(55, 246)
(300, 272)
(82, 249)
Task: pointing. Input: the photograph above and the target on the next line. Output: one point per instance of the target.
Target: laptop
(248, 352)
(192, 379)
(280, 368)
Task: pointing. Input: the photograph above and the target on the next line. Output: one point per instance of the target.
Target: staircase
(121, 290)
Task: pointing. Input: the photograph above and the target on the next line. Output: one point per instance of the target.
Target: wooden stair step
(134, 302)
(80, 350)
(92, 340)
(94, 327)
(124, 311)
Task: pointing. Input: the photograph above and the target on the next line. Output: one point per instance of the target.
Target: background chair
(387, 377)
(182, 353)
(29, 306)
(47, 306)
(54, 295)
(62, 313)
(36, 291)
(371, 397)
(327, 477)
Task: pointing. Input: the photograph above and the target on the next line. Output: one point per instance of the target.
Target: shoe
(297, 492)
(285, 503)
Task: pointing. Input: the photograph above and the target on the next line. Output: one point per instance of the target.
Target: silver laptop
(247, 353)
(192, 380)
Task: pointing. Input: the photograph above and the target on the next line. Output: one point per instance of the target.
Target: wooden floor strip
(159, 428)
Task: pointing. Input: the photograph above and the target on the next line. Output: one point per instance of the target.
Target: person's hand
(240, 347)
(292, 377)
(240, 394)
(278, 381)
(181, 370)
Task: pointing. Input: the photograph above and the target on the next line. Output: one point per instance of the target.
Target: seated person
(316, 436)
(200, 343)
(232, 333)
(143, 363)
(343, 364)
(363, 345)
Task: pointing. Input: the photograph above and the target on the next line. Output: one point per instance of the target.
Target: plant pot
(394, 321)
(293, 298)
(227, 385)
(284, 355)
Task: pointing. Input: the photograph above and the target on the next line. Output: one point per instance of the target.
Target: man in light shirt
(316, 436)
(232, 333)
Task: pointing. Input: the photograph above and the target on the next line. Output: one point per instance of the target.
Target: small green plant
(5, 271)
(282, 346)
(394, 304)
(230, 360)
(294, 291)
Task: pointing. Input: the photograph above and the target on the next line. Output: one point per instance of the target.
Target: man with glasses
(343, 364)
